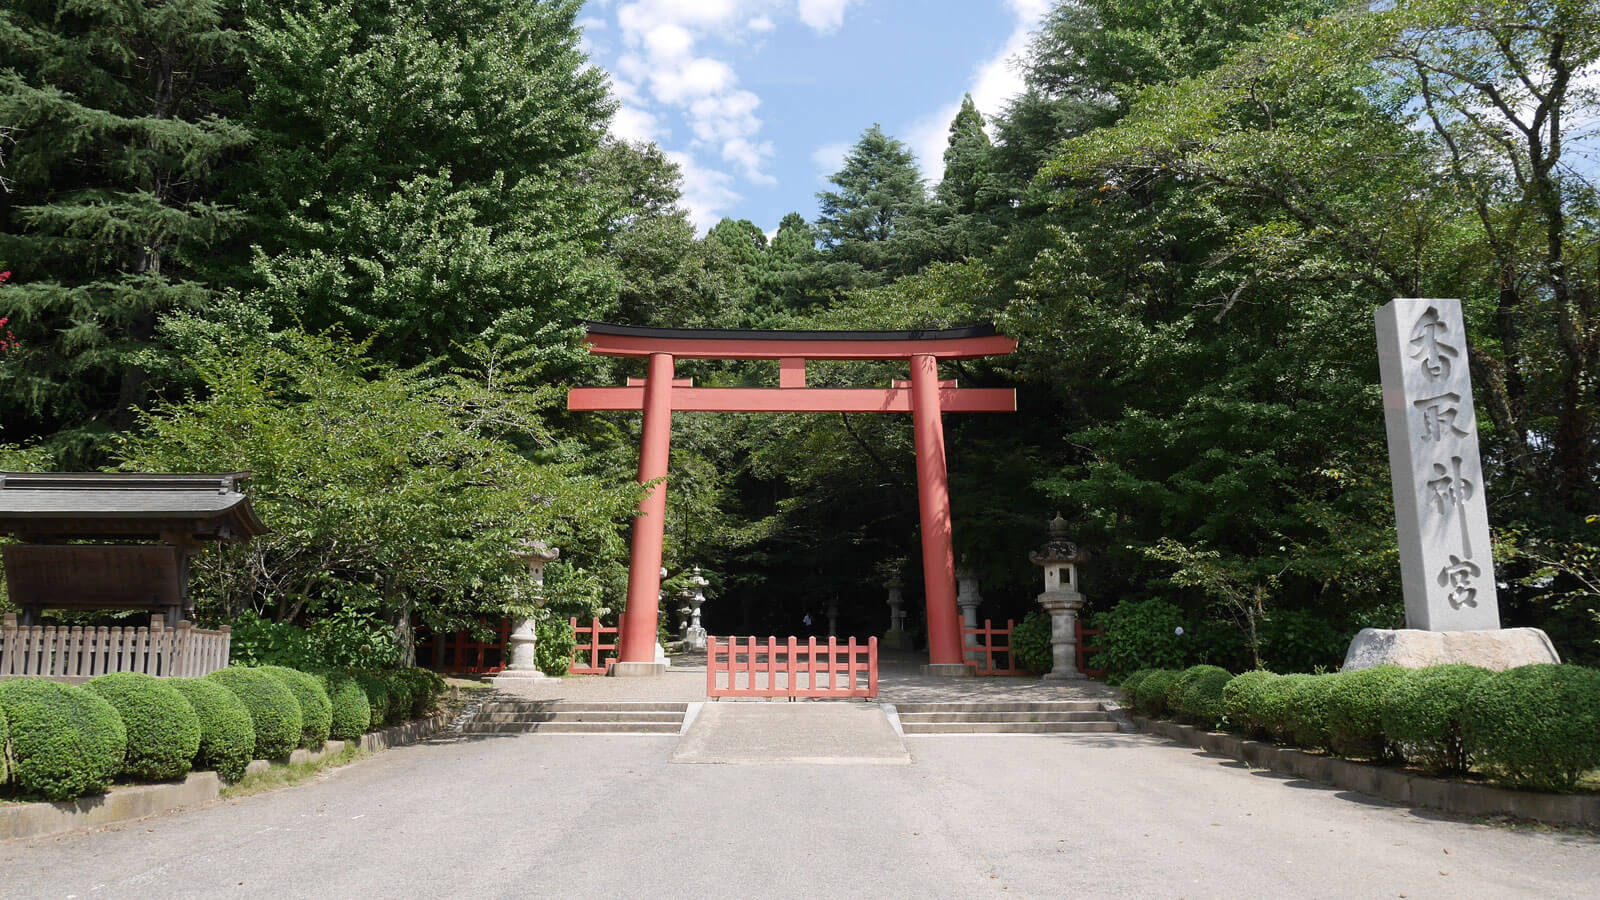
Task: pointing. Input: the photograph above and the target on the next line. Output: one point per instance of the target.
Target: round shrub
(376, 687)
(1240, 699)
(1355, 712)
(351, 711)
(163, 730)
(316, 710)
(1180, 686)
(274, 712)
(1535, 726)
(553, 652)
(1151, 696)
(1422, 715)
(1273, 704)
(1137, 633)
(65, 741)
(227, 738)
(425, 685)
(1030, 643)
(401, 696)
(1202, 699)
(1131, 683)
(1308, 711)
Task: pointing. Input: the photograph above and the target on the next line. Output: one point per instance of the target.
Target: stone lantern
(896, 638)
(694, 636)
(833, 617)
(968, 598)
(533, 556)
(1061, 598)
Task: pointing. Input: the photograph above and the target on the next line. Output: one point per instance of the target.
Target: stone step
(1018, 706)
(487, 728)
(567, 715)
(511, 704)
(1008, 727)
(1011, 716)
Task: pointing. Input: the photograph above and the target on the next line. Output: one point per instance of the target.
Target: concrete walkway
(613, 816)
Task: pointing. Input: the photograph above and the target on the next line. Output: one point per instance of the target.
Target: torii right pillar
(945, 654)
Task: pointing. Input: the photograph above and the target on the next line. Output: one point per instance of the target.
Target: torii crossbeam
(924, 396)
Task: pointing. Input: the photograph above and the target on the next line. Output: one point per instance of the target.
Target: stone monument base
(637, 669)
(1413, 648)
(949, 670)
(518, 675)
(1069, 675)
(895, 639)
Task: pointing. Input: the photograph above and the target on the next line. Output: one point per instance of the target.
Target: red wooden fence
(1083, 652)
(989, 657)
(599, 661)
(461, 652)
(791, 669)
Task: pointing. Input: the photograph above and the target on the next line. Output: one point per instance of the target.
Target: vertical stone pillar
(833, 617)
(523, 641)
(968, 598)
(694, 636)
(896, 638)
(1441, 513)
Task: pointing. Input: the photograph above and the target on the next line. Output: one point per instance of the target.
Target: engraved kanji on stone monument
(1441, 515)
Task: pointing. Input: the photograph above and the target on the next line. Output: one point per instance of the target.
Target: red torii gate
(924, 396)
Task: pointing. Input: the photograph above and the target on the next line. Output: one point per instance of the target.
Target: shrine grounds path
(971, 816)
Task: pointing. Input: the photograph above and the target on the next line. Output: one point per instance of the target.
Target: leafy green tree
(117, 122)
(386, 491)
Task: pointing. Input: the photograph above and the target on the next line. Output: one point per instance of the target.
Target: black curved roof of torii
(751, 334)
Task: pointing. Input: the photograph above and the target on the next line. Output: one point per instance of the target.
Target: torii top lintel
(710, 343)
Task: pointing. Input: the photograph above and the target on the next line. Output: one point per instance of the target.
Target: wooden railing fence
(75, 653)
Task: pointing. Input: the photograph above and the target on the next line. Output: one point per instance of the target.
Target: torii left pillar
(638, 631)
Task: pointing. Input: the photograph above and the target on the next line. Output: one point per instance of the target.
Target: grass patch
(290, 775)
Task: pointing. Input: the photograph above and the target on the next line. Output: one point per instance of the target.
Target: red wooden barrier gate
(600, 661)
(791, 669)
(459, 651)
(988, 657)
(1083, 652)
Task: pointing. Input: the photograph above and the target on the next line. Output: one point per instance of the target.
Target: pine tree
(879, 191)
(116, 109)
(967, 161)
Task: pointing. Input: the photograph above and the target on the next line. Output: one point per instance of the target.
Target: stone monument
(694, 636)
(1441, 513)
(896, 637)
(523, 640)
(1061, 598)
(832, 612)
(968, 598)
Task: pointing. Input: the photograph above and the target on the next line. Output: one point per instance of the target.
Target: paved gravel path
(611, 816)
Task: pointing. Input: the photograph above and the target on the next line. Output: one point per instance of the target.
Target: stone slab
(781, 733)
(120, 804)
(637, 669)
(1411, 648)
(949, 670)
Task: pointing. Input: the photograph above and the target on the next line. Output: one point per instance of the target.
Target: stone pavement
(612, 816)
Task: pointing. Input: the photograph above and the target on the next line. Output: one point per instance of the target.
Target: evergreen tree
(967, 164)
(117, 110)
(879, 191)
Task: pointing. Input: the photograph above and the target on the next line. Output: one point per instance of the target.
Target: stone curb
(125, 803)
(1386, 783)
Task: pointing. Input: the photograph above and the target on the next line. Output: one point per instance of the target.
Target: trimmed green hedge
(1422, 715)
(1273, 702)
(1132, 682)
(1355, 713)
(1535, 726)
(1150, 697)
(1240, 697)
(376, 687)
(401, 696)
(227, 736)
(1200, 694)
(162, 728)
(5, 735)
(351, 711)
(274, 711)
(316, 710)
(65, 741)
(1308, 711)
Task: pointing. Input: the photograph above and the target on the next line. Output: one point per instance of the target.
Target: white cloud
(631, 124)
(829, 158)
(707, 193)
(761, 24)
(995, 81)
(822, 15)
(749, 156)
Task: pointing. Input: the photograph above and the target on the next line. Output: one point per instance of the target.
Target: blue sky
(757, 100)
